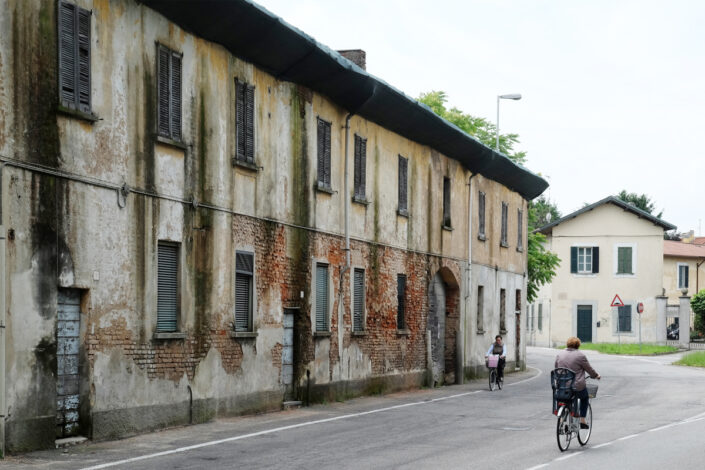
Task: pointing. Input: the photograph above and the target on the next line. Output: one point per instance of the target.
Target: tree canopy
(480, 128)
(542, 263)
(640, 201)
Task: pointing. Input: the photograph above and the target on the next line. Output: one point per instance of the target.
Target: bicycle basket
(492, 360)
(592, 390)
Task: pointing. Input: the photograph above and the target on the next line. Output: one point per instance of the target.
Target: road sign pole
(639, 334)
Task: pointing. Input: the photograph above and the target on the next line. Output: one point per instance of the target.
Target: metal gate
(67, 346)
(288, 354)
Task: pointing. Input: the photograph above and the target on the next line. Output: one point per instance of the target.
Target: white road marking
(624, 438)
(538, 466)
(270, 431)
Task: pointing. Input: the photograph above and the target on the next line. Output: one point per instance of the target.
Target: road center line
(270, 431)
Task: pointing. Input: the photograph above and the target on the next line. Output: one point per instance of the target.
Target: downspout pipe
(346, 200)
(3, 406)
(468, 283)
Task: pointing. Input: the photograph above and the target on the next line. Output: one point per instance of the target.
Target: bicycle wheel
(499, 382)
(584, 434)
(563, 433)
(493, 378)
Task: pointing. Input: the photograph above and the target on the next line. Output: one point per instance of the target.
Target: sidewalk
(90, 454)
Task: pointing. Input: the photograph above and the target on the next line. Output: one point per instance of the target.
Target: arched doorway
(443, 323)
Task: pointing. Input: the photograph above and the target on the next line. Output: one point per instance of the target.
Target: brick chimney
(357, 56)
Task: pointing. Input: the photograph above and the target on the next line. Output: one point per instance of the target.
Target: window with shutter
(481, 216)
(74, 25)
(244, 122)
(167, 286)
(520, 230)
(359, 300)
(446, 202)
(323, 154)
(168, 93)
(480, 309)
(321, 297)
(244, 275)
(401, 302)
(503, 310)
(360, 168)
(624, 323)
(403, 186)
(624, 260)
(505, 212)
(682, 276)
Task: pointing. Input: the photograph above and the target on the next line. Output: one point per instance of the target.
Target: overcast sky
(612, 90)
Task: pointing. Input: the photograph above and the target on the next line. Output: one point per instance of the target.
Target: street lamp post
(512, 96)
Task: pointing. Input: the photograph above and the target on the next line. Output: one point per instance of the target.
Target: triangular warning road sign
(617, 302)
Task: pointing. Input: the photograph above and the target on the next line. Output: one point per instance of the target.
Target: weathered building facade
(195, 226)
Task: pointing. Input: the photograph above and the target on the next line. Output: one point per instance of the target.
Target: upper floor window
(74, 57)
(446, 202)
(505, 212)
(244, 275)
(244, 122)
(401, 302)
(481, 216)
(682, 276)
(169, 93)
(584, 259)
(625, 263)
(360, 178)
(480, 318)
(403, 208)
(167, 286)
(323, 154)
(520, 230)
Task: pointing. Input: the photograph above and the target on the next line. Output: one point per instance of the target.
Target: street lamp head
(511, 96)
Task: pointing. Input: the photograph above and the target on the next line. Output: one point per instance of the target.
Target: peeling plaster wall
(76, 233)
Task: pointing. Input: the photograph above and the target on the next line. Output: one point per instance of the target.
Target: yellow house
(611, 268)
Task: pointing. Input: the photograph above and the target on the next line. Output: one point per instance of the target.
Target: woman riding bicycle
(571, 358)
(498, 348)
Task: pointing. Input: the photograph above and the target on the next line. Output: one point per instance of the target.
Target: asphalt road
(648, 414)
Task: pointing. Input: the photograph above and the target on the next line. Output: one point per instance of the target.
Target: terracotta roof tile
(685, 250)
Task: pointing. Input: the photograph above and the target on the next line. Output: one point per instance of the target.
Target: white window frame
(584, 270)
(679, 284)
(615, 259)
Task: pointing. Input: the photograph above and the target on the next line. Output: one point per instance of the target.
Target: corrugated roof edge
(459, 145)
(611, 200)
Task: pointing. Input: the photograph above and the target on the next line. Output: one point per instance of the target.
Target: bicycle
(492, 364)
(567, 408)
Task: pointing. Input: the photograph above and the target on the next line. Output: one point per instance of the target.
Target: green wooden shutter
(358, 299)
(244, 271)
(67, 53)
(84, 60)
(239, 120)
(686, 276)
(505, 211)
(573, 259)
(163, 91)
(323, 153)
(520, 228)
(446, 202)
(167, 286)
(403, 184)
(321, 297)
(481, 215)
(596, 259)
(175, 96)
(250, 124)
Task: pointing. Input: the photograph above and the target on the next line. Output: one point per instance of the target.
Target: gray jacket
(577, 362)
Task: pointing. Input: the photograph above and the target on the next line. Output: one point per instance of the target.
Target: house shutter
(84, 60)
(326, 146)
(163, 91)
(401, 298)
(321, 297)
(573, 259)
(175, 96)
(446, 202)
(520, 227)
(403, 166)
(686, 276)
(358, 305)
(505, 210)
(240, 120)
(244, 270)
(481, 215)
(356, 170)
(323, 152)
(595, 259)
(363, 167)
(167, 286)
(250, 124)
(67, 54)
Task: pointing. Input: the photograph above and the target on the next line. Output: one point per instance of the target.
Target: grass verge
(629, 349)
(694, 359)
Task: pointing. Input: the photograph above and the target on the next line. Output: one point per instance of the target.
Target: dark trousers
(500, 367)
(584, 400)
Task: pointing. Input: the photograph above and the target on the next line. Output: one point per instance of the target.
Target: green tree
(542, 263)
(480, 128)
(640, 201)
(697, 303)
